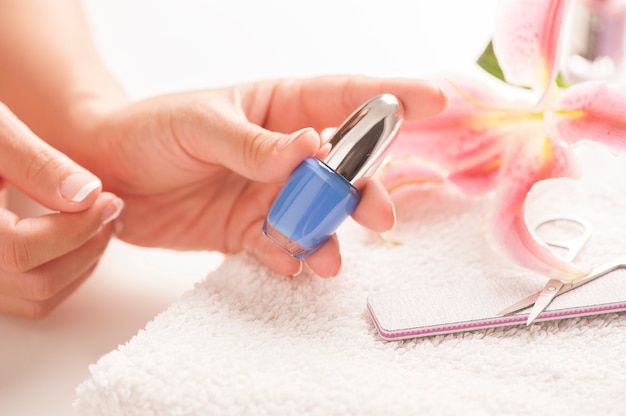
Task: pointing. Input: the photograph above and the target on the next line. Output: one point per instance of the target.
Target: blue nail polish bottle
(320, 195)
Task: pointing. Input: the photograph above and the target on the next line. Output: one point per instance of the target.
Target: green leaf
(560, 81)
(489, 62)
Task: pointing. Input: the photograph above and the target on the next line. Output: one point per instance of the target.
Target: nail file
(471, 306)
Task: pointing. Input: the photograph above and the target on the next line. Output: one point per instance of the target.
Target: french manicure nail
(77, 186)
(327, 133)
(299, 272)
(112, 211)
(395, 218)
(447, 103)
(287, 140)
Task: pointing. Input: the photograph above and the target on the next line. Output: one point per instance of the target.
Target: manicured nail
(296, 274)
(445, 96)
(285, 141)
(338, 270)
(112, 211)
(327, 133)
(77, 186)
(395, 218)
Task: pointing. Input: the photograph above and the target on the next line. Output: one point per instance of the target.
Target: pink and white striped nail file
(471, 306)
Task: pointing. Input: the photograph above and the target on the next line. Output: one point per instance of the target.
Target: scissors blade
(522, 304)
(547, 294)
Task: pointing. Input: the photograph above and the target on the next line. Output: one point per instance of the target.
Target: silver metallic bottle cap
(361, 143)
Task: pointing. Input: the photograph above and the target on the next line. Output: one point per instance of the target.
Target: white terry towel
(247, 341)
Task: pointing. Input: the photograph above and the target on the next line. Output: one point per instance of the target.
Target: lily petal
(526, 41)
(594, 111)
(527, 162)
(466, 140)
(476, 181)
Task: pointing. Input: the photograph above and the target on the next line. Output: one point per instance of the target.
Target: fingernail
(395, 218)
(296, 274)
(77, 186)
(445, 96)
(287, 140)
(327, 133)
(112, 210)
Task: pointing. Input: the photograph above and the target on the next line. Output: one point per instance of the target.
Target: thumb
(40, 171)
(266, 156)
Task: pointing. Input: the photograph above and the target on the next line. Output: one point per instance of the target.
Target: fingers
(38, 309)
(261, 155)
(325, 262)
(326, 101)
(29, 242)
(46, 259)
(271, 157)
(269, 253)
(375, 210)
(420, 99)
(265, 156)
(214, 130)
(40, 171)
(263, 146)
(262, 131)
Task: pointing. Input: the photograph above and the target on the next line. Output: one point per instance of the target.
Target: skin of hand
(199, 170)
(196, 170)
(44, 259)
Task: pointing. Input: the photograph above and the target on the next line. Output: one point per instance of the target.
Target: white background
(159, 46)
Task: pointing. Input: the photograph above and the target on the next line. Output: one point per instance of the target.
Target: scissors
(556, 287)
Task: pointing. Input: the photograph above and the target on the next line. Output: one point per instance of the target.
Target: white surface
(159, 46)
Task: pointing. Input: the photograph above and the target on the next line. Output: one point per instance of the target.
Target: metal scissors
(556, 287)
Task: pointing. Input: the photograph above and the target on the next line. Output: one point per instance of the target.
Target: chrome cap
(361, 143)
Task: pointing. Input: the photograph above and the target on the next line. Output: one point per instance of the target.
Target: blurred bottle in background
(595, 41)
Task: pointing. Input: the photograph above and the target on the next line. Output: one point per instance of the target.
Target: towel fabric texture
(246, 341)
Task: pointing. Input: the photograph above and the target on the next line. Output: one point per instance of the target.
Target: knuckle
(38, 160)
(15, 256)
(253, 147)
(40, 164)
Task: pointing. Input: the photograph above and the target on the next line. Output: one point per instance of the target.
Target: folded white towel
(247, 341)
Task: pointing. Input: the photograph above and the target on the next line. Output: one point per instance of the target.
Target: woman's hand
(44, 259)
(200, 170)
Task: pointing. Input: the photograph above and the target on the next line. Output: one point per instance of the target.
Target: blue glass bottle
(320, 195)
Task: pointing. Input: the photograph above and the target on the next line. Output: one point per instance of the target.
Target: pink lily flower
(492, 140)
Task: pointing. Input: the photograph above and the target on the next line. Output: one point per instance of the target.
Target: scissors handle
(572, 245)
